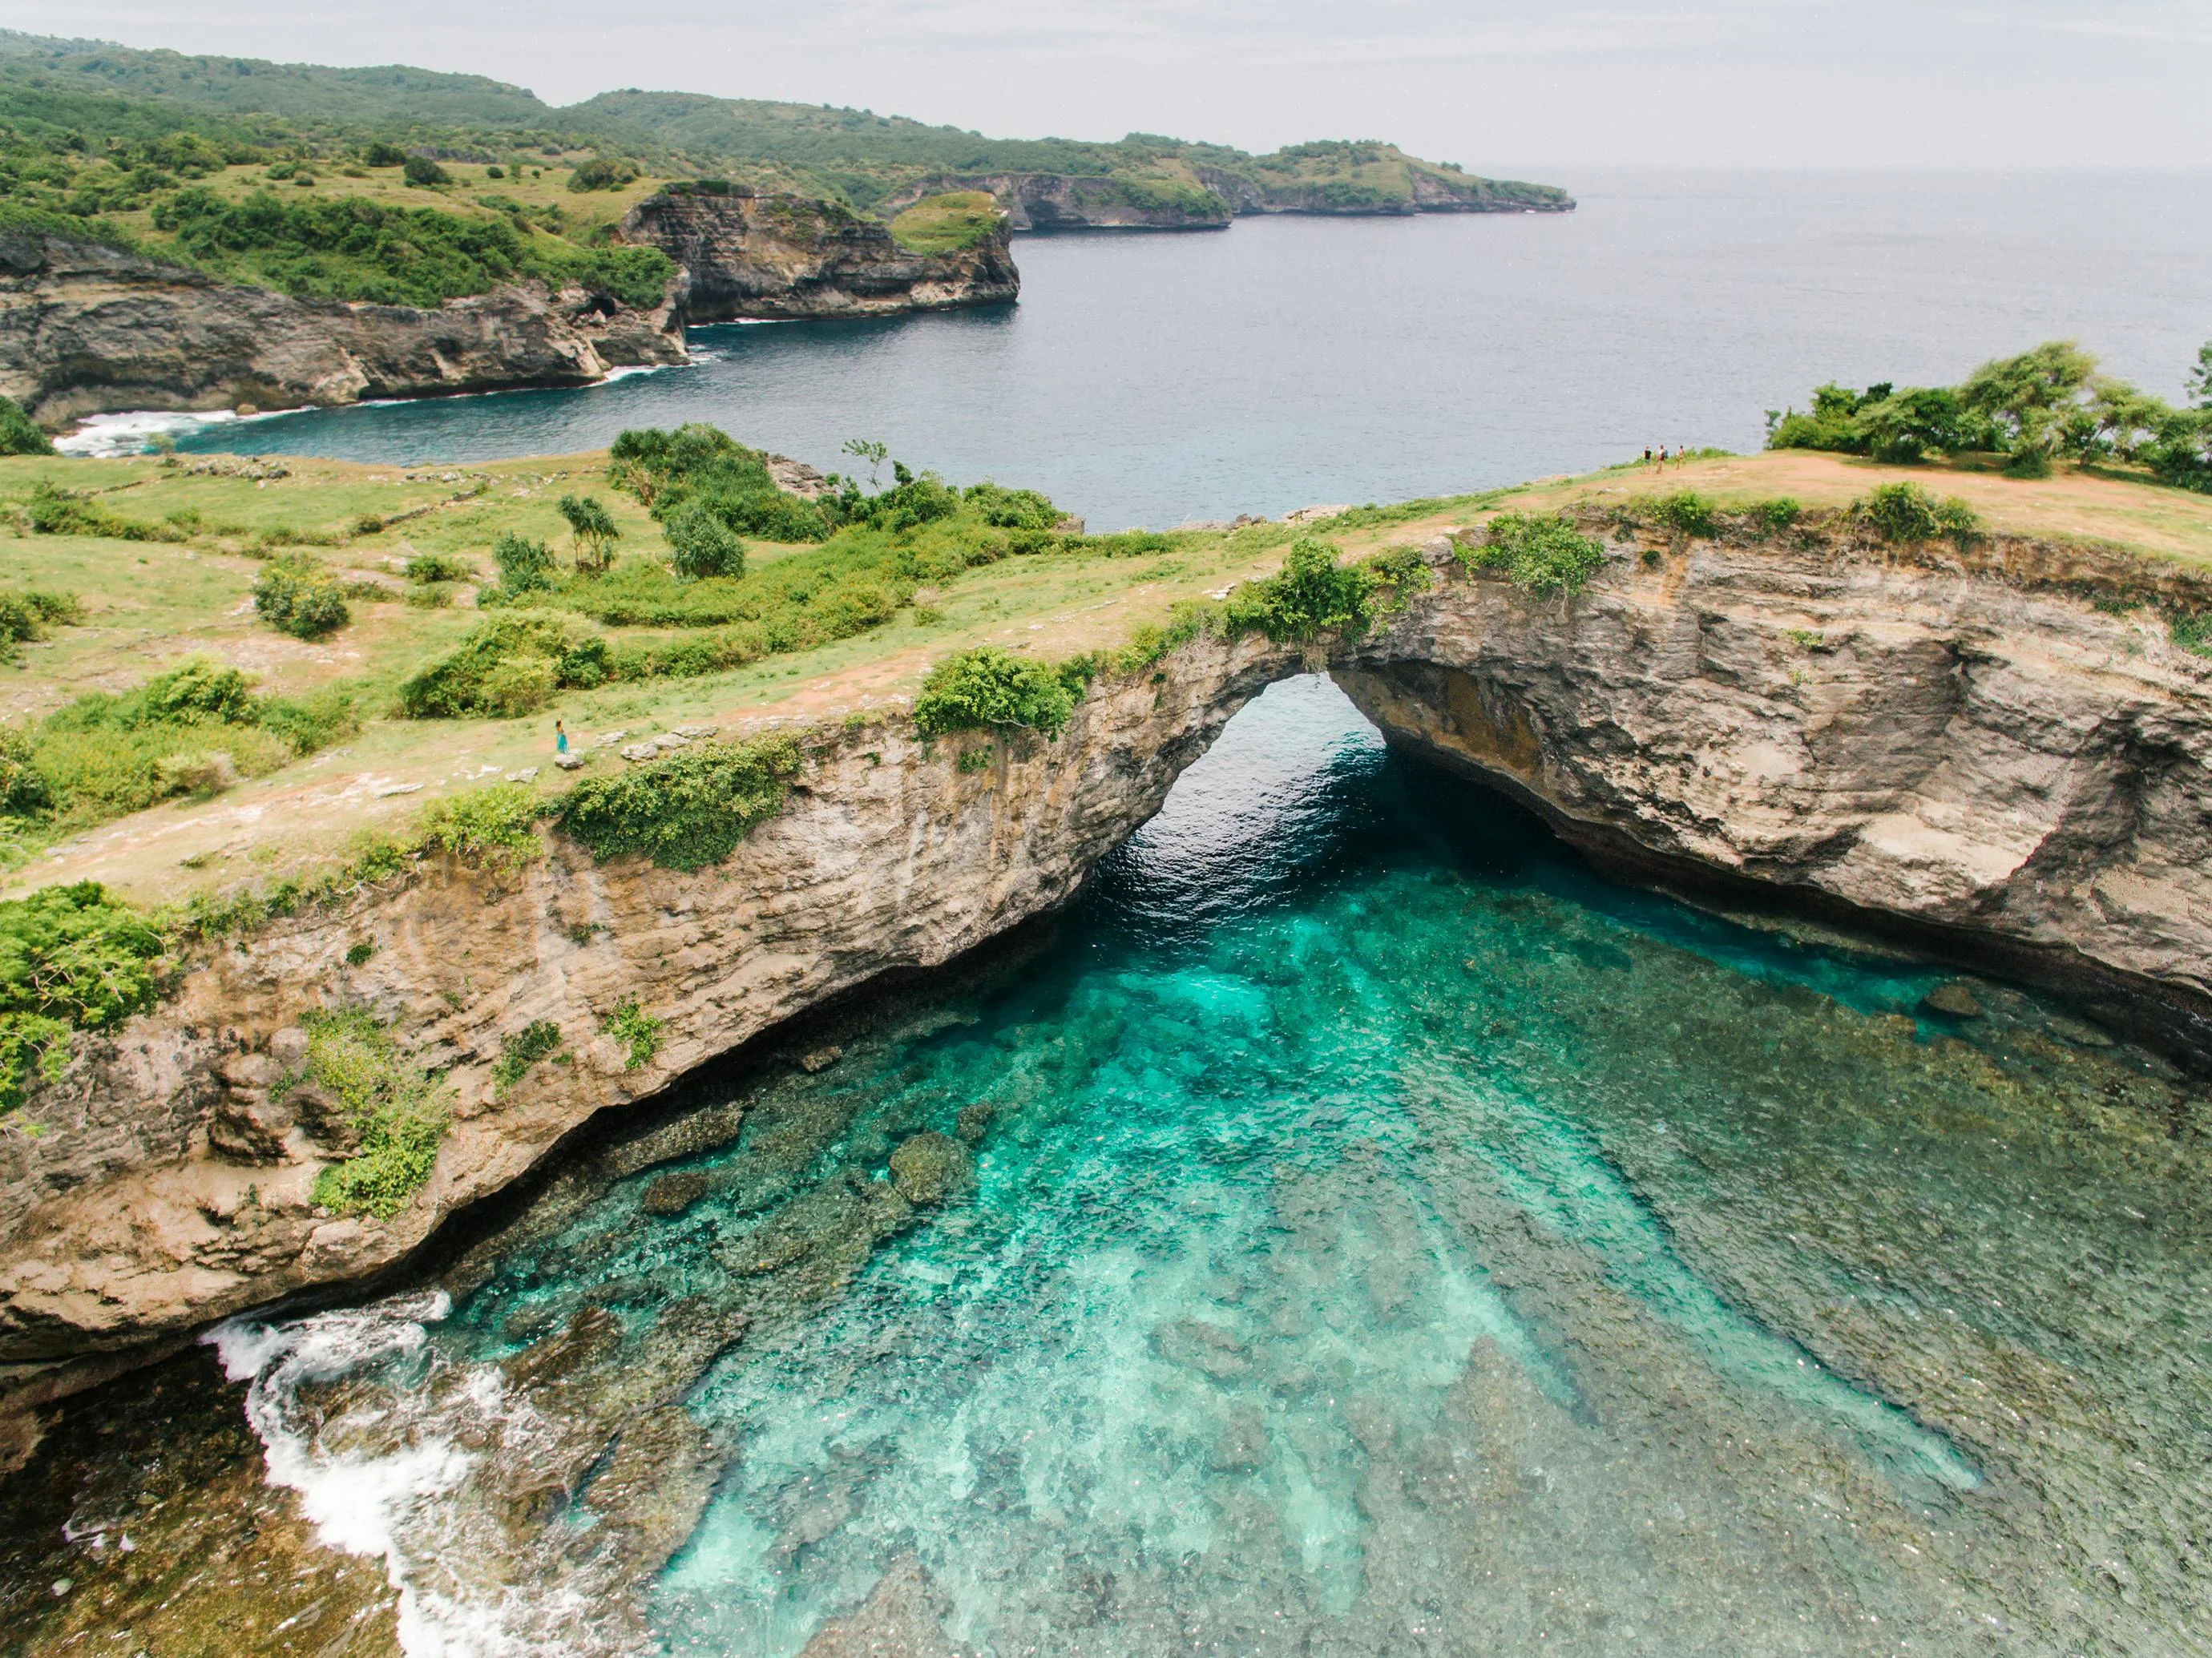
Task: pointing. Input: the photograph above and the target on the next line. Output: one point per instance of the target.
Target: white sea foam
(357, 1502)
(102, 437)
(394, 1474)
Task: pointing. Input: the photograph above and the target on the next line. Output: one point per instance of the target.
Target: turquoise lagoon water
(1384, 1236)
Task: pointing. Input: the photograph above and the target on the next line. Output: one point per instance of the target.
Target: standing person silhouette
(560, 738)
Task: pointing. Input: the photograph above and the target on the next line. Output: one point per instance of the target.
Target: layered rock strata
(1957, 741)
(1961, 744)
(85, 329)
(166, 1182)
(740, 255)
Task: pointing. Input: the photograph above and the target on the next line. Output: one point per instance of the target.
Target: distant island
(182, 232)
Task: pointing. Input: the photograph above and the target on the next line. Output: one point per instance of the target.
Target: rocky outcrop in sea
(742, 255)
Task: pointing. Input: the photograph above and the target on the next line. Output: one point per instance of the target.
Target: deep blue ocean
(1285, 362)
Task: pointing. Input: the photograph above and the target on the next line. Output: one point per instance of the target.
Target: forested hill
(83, 102)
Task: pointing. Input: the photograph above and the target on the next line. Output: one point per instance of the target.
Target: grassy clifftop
(456, 652)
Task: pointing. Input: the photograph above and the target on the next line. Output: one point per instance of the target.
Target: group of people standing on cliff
(1681, 454)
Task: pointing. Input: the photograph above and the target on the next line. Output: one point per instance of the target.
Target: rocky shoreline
(1964, 747)
(87, 329)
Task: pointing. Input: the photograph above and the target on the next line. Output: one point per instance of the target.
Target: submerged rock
(1954, 1000)
(930, 1168)
(902, 1617)
(671, 1195)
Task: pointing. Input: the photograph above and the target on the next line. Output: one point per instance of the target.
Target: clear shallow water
(1384, 1237)
(1146, 379)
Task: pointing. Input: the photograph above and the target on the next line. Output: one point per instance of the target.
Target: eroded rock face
(1960, 743)
(85, 329)
(1040, 202)
(742, 255)
(156, 1197)
(1956, 741)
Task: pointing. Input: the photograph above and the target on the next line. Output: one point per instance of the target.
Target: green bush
(700, 545)
(685, 811)
(1312, 594)
(20, 434)
(423, 173)
(298, 596)
(1541, 553)
(24, 791)
(699, 463)
(524, 566)
(399, 1111)
(1012, 509)
(52, 512)
(519, 1051)
(71, 958)
(1775, 516)
(602, 172)
(508, 664)
(380, 154)
(991, 688)
(26, 615)
(107, 754)
(438, 567)
(1686, 512)
(636, 1031)
(493, 827)
(1905, 514)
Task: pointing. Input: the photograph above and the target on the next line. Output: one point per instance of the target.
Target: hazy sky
(1490, 83)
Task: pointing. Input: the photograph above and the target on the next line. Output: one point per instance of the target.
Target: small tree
(594, 530)
(2027, 398)
(701, 545)
(1904, 426)
(2200, 378)
(877, 454)
(423, 173)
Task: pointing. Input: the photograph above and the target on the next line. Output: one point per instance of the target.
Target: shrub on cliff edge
(990, 687)
(1543, 554)
(686, 810)
(1905, 514)
(1312, 594)
(399, 1111)
(71, 959)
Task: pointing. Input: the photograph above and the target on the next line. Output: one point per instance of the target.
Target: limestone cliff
(85, 327)
(1035, 203)
(158, 1186)
(1958, 743)
(740, 255)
